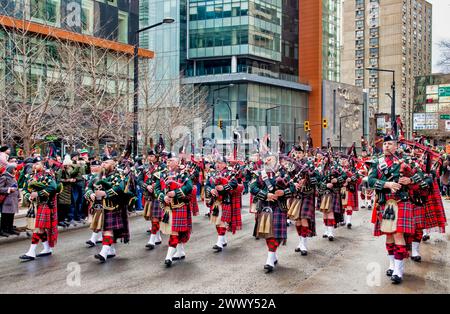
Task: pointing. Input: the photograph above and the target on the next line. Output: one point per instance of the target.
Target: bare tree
(444, 61)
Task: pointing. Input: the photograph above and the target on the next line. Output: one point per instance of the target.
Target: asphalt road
(354, 263)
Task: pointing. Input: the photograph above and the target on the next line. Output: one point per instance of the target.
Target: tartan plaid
(181, 219)
(113, 220)
(419, 216)
(279, 223)
(226, 213)
(353, 200)
(157, 211)
(406, 222)
(336, 207)
(47, 218)
(272, 244)
(236, 206)
(434, 210)
(193, 203)
(308, 212)
(124, 232)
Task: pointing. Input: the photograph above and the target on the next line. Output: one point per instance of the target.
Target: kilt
(308, 212)
(113, 220)
(227, 213)
(47, 218)
(406, 222)
(155, 209)
(434, 210)
(337, 208)
(236, 206)
(353, 200)
(279, 223)
(181, 219)
(419, 217)
(193, 203)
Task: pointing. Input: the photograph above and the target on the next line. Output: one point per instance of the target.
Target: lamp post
(214, 106)
(267, 123)
(167, 20)
(393, 93)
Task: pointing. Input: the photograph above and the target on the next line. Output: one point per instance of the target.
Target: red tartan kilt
(353, 200)
(181, 219)
(227, 213)
(45, 216)
(193, 204)
(419, 217)
(435, 212)
(406, 222)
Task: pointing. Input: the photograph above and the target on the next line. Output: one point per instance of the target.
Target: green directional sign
(445, 116)
(444, 91)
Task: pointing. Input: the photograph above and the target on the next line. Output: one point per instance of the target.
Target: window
(373, 41)
(359, 72)
(359, 53)
(359, 63)
(87, 17)
(359, 83)
(45, 11)
(373, 51)
(123, 27)
(359, 23)
(359, 34)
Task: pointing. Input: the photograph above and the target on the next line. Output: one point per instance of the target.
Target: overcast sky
(441, 24)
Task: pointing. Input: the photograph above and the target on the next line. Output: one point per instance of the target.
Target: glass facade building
(114, 20)
(331, 52)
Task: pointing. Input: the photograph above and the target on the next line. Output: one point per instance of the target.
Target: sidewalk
(21, 221)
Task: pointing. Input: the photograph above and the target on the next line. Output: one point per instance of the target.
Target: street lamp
(167, 20)
(393, 93)
(267, 123)
(214, 105)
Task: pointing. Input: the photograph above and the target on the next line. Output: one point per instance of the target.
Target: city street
(354, 263)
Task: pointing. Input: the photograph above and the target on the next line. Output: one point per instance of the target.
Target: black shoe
(349, 226)
(389, 272)
(425, 238)
(168, 262)
(256, 238)
(26, 258)
(90, 244)
(417, 259)
(396, 280)
(331, 238)
(268, 268)
(100, 258)
(111, 256)
(178, 258)
(149, 231)
(225, 244)
(62, 224)
(44, 254)
(98, 242)
(276, 262)
(150, 246)
(4, 234)
(304, 253)
(217, 248)
(325, 236)
(297, 250)
(369, 207)
(158, 243)
(363, 207)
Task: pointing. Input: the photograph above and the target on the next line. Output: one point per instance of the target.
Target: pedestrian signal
(220, 124)
(306, 126)
(325, 123)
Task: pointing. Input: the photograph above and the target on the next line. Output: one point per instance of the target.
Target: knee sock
(184, 237)
(35, 238)
(221, 231)
(155, 227)
(400, 252)
(173, 241)
(43, 236)
(349, 212)
(299, 230)
(418, 236)
(304, 231)
(272, 244)
(107, 240)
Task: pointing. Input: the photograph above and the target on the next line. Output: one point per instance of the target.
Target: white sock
(271, 258)
(330, 231)
(158, 236)
(225, 239)
(220, 241)
(170, 253)
(415, 249)
(180, 251)
(94, 236)
(349, 219)
(152, 239)
(32, 250)
(303, 242)
(398, 268)
(105, 251)
(391, 262)
(112, 250)
(326, 231)
(100, 236)
(47, 248)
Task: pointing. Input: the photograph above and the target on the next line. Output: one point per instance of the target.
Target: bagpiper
(173, 189)
(40, 189)
(392, 177)
(219, 195)
(271, 191)
(107, 193)
(96, 235)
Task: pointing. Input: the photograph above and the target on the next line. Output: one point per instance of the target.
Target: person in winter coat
(10, 206)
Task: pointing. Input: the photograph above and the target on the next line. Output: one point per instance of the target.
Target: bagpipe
(214, 181)
(429, 153)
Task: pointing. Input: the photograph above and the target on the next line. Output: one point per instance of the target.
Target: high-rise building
(391, 35)
(245, 52)
(319, 54)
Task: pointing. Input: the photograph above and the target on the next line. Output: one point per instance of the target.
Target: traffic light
(220, 124)
(306, 126)
(325, 123)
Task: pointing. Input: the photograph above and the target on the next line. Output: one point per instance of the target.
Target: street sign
(444, 91)
(445, 116)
